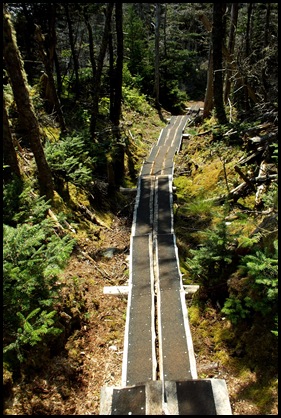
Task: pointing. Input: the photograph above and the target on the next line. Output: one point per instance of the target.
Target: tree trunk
(25, 108)
(111, 75)
(217, 41)
(72, 46)
(233, 66)
(231, 44)
(156, 58)
(165, 30)
(97, 80)
(209, 95)
(11, 165)
(58, 72)
(247, 52)
(91, 47)
(91, 42)
(53, 96)
(266, 44)
(119, 160)
(119, 65)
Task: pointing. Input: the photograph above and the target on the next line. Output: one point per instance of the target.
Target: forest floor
(70, 383)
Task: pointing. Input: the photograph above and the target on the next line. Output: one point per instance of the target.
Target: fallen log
(262, 179)
(128, 190)
(262, 188)
(91, 216)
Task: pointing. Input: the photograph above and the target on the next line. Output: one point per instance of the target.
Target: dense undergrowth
(227, 246)
(41, 309)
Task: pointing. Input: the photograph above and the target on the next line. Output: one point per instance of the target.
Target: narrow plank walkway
(159, 374)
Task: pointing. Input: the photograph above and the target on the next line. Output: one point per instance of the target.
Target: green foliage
(11, 199)
(33, 258)
(32, 330)
(210, 263)
(259, 292)
(249, 242)
(172, 97)
(235, 309)
(274, 150)
(130, 80)
(135, 42)
(135, 100)
(270, 198)
(200, 207)
(69, 160)
(104, 104)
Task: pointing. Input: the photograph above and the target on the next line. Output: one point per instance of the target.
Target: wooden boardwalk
(159, 369)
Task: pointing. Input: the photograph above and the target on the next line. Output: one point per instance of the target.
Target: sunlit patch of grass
(191, 131)
(208, 178)
(199, 207)
(183, 186)
(51, 132)
(242, 227)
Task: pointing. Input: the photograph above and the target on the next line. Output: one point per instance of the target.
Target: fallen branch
(103, 272)
(245, 160)
(244, 177)
(204, 133)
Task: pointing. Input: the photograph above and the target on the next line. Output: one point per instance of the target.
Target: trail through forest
(71, 381)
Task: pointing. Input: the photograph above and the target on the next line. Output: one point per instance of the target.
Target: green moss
(248, 201)
(183, 186)
(194, 315)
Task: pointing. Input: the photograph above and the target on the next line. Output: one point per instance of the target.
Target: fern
(33, 259)
(69, 160)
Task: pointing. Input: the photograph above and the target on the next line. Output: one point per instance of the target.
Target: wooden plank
(173, 345)
(143, 215)
(139, 359)
(163, 203)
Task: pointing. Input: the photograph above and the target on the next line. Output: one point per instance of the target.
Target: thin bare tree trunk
(217, 41)
(118, 73)
(209, 101)
(156, 58)
(91, 42)
(72, 46)
(233, 66)
(97, 80)
(119, 158)
(51, 82)
(247, 51)
(231, 44)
